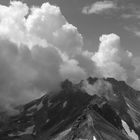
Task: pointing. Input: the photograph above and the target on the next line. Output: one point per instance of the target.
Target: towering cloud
(111, 59)
(36, 46)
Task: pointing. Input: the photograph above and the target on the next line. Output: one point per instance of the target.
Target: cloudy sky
(45, 42)
(96, 17)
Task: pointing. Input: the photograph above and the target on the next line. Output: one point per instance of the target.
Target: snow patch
(64, 104)
(132, 134)
(28, 130)
(47, 120)
(31, 108)
(40, 106)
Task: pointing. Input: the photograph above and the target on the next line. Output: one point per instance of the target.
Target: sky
(45, 42)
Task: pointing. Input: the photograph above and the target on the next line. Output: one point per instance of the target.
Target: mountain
(98, 109)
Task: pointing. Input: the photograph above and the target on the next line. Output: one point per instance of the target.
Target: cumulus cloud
(36, 49)
(70, 70)
(85, 62)
(99, 7)
(49, 24)
(111, 59)
(43, 26)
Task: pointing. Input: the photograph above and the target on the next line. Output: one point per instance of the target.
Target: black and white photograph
(69, 69)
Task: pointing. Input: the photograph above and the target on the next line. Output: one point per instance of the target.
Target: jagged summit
(98, 109)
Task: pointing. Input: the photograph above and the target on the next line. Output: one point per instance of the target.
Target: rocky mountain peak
(94, 109)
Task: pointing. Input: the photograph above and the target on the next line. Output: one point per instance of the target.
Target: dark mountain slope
(73, 114)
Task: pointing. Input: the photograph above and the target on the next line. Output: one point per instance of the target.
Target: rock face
(74, 114)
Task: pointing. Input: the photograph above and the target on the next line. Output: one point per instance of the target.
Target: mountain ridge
(73, 114)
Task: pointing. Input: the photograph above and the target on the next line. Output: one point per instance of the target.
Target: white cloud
(49, 24)
(70, 70)
(136, 84)
(35, 52)
(99, 7)
(100, 88)
(43, 26)
(85, 61)
(13, 25)
(111, 59)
